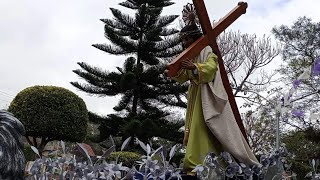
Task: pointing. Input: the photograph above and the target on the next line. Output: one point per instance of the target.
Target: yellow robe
(200, 140)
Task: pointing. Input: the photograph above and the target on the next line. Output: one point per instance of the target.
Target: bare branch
(245, 56)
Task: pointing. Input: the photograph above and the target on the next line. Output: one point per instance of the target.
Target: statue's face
(187, 41)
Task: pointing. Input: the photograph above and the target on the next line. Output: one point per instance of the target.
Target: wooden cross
(209, 38)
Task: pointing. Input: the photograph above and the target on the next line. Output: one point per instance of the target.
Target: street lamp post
(278, 123)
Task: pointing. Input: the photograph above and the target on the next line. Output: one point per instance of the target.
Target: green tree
(50, 113)
(301, 48)
(302, 151)
(149, 42)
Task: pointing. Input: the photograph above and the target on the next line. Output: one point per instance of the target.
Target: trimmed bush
(127, 158)
(51, 112)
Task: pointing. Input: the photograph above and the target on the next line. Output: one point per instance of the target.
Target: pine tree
(149, 43)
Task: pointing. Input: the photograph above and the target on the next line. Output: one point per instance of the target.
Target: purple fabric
(316, 67)
(298, 113)
(296, 83)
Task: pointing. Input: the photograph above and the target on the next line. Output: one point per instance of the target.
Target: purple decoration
(273, 160)
(298, 113)
(264, 160)
(247, 173)
(226, 157)
(232, 170)
(316, 67)
(296, 83)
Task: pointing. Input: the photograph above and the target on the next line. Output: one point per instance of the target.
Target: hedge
(53, 112)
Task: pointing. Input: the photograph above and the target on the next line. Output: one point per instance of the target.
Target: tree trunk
(135, 102)
(137, 73)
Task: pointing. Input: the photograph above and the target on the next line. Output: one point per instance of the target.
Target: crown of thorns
(190, 33)
(190, 18)
(189, 15)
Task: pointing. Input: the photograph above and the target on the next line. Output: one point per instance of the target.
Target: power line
(4, 100)
(6, 94)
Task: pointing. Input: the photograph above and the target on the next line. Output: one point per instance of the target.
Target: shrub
(51, 113)
(127, 158)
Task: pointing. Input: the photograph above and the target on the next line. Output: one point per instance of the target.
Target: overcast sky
(41, 40)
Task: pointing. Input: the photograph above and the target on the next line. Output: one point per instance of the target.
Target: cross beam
(209, 38)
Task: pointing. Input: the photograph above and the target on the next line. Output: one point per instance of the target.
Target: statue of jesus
(210, 125)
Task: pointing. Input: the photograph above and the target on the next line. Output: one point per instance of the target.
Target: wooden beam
(228, 19)
(203, 16)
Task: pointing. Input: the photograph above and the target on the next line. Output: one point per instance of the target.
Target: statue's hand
(187, 64)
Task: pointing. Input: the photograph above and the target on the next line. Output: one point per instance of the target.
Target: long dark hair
(191, 31)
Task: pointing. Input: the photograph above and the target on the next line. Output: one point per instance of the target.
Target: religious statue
(12, 160)
(210, 125)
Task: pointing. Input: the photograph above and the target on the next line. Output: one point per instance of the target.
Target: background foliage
(147, 41)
